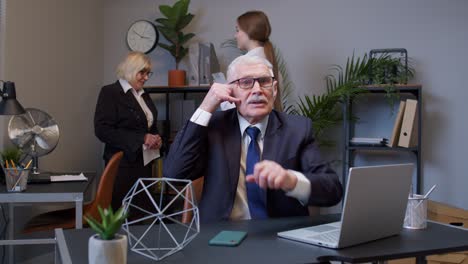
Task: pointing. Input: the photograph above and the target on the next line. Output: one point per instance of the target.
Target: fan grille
(35, 132)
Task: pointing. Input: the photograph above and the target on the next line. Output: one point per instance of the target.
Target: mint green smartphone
(228, 238)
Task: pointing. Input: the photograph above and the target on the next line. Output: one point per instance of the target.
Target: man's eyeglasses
(248, 83)
(147, 73)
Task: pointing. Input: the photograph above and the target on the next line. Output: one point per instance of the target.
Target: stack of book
(359, 141)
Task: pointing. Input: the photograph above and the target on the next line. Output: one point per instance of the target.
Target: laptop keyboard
(321, 228)
(329, 237)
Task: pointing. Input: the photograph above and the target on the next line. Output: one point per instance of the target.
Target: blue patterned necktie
(255, 195)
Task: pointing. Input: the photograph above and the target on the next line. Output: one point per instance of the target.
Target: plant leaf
(182, 52)
(184, 38)
(184, 21)
(111, 222)
(95, 225)
(165, 23)
(178, 9)
(184, 6)
(169, 34)
(103, 216)
(166, 10)
(167, 47)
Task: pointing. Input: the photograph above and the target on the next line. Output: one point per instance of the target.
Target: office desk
(44, 193)
(263, 246)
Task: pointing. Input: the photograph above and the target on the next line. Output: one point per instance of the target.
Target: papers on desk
(66, 178)
(149, 154)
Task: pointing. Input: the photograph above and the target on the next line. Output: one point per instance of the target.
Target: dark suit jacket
(120, 122)
(214, 152)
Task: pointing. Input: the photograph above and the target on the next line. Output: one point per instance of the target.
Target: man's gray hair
(232, 73)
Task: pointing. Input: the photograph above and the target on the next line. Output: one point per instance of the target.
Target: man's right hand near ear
(217, 94)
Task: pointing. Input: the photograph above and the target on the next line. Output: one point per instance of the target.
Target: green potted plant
(107, 246)
(176, 19)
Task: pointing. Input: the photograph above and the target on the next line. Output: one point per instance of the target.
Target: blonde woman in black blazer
(125, 120)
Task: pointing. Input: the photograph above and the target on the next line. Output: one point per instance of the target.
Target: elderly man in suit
(256, 162)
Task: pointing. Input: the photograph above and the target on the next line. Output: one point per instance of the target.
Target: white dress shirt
(258, 51)
(149, 115)
(240, 209)
(148, 154)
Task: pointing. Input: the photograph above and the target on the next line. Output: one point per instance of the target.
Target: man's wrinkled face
(256, 102)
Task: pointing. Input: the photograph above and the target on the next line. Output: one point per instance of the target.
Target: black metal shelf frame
(349, 151)
(173, 90)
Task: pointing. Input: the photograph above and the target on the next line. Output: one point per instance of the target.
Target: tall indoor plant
(176, 19)
(107, 247)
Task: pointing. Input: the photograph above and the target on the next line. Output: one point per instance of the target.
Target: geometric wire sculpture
(164, 233)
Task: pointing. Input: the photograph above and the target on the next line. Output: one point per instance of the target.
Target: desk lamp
(9, 105)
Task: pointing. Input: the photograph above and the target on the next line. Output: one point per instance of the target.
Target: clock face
(142, 36)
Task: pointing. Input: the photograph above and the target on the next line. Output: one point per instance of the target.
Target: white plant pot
(107, 251)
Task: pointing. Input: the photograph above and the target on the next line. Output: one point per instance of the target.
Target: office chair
(197, 190)
(66, 218)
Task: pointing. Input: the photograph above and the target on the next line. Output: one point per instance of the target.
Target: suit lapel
(150, 105)
(271, 142)
(232, 149)
(272, 138)
(129, 100)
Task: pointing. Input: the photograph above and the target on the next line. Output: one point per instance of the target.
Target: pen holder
(416, 212)
(16, 179)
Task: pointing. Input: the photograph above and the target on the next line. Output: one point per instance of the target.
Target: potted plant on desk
(106, 246)
(9, 154)
(177, 18)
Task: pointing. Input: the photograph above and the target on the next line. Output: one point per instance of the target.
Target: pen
(27, 165)
(426, 195)
(13, 166)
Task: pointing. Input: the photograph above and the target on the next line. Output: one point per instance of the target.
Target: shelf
(381, 148)
(401, 88)
(351, 151)
(167, 91)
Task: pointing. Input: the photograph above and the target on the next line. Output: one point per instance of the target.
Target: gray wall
(312, 35)
(53, 52)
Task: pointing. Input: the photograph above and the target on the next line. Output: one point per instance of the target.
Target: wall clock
(142, 36)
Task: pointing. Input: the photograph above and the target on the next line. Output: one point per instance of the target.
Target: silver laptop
(374, 208)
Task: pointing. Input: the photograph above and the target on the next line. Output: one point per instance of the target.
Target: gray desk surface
(55, 187)
(263, 246)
